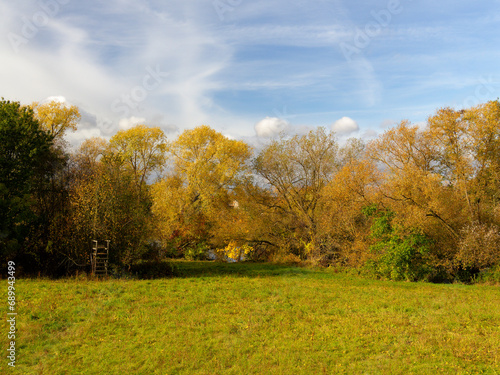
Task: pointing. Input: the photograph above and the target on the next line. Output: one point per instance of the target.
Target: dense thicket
(417, 203)
(29, 188)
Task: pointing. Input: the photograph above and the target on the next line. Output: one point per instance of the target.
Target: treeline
(417, 203)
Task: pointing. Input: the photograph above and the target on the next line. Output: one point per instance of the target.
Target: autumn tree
(56, 117)
(193, 201)
(469, 142)
(106, 201)
(469, 146)
(414, 189)
(410, 161)
(295, 171)
(111, 197)
(90, 153)
(441, 181)
(141, 149)
(343, 226)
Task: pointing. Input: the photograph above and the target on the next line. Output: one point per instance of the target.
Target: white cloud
(58, 99)
(271, 126)
(81, 135)
(127, 123)
(345, 125)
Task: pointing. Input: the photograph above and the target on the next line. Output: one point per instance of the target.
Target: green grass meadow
(253, 318)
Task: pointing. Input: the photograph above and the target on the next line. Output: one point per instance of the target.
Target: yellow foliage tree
(90, 153)
(141, 149)
(443, 179)
(234, 252)
(342, 223)
(194, 202)
(295, 171)
(56, 117)
(107, 205)
(209, 162)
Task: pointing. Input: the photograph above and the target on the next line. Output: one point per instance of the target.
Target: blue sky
(250, 68)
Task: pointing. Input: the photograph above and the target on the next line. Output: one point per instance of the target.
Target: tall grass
(255, 319)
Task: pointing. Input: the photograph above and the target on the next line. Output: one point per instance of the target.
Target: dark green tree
(26, 157)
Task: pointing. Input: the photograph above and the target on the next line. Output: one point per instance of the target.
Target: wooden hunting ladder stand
(99, 258)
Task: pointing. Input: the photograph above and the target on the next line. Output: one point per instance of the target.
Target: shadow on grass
(184, 269)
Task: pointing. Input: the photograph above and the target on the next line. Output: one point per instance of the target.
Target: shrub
(234, 252)
(403, 257)
(286, 258)
(197, 252)
(490, 276)
(399, 254)
(479, 247)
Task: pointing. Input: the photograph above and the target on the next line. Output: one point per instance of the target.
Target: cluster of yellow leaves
(142, 149)
(235, 251)
(56, 117)
(208, 161)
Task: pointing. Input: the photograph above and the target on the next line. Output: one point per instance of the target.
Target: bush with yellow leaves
(234, 252)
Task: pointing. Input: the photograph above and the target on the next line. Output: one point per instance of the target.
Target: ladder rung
(100, 256)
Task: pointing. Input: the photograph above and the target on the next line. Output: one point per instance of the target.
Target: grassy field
(254, 319)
